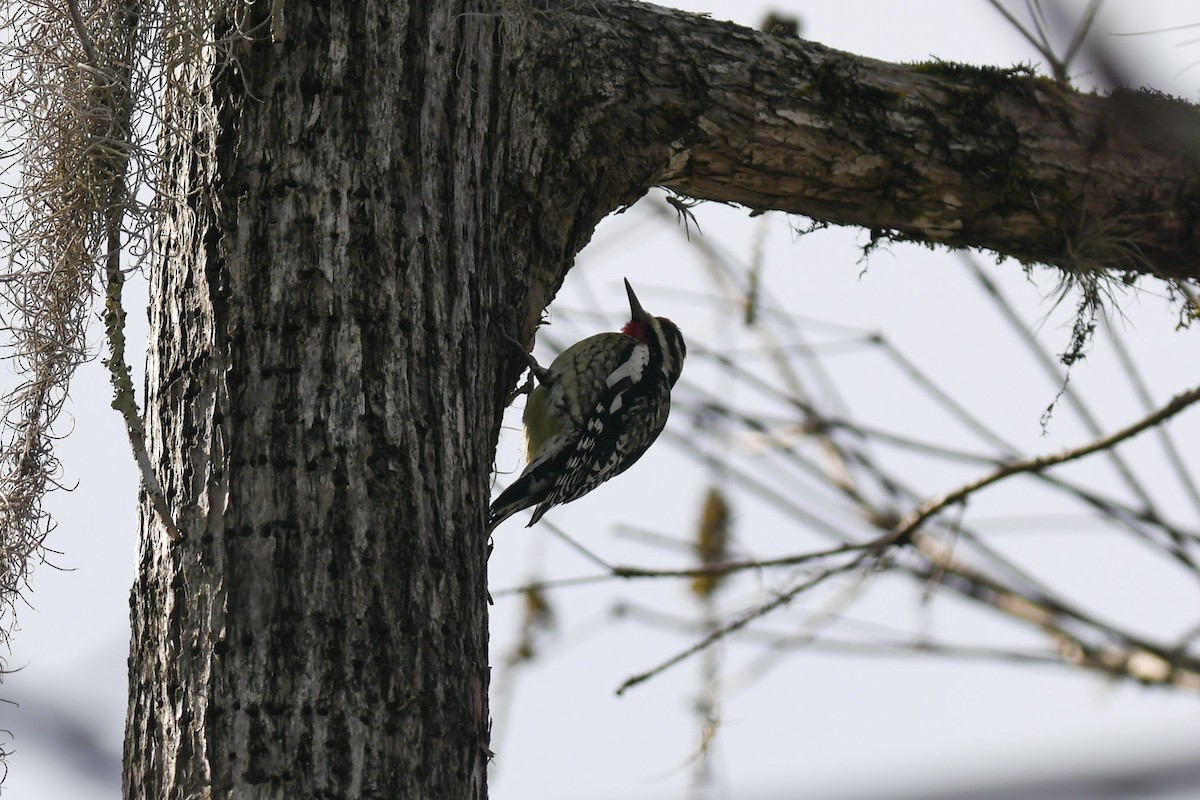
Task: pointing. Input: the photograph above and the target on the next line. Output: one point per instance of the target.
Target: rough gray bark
(324, 410)
(355, 209)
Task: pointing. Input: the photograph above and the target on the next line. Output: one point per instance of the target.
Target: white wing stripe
(631, 369)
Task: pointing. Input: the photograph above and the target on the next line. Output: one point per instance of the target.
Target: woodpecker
(595, 411)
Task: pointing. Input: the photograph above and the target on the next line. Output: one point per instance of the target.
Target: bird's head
(663, 336)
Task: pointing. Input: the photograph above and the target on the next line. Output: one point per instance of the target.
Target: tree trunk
(323, 410)
(361, 198)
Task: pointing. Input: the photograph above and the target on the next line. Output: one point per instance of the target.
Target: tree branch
(934, 152)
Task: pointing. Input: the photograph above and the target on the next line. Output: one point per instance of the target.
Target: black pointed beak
(635, 308)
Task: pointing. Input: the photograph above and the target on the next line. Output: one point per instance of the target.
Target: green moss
(973, 133)
(838, 85)
(1153, 98)
(999, 78)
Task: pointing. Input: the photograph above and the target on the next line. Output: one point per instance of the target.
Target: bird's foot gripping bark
(543, 375)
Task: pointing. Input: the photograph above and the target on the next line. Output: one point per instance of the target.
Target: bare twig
(745, 619)
(1104, 444)
(1052, 371)
(1165, 442)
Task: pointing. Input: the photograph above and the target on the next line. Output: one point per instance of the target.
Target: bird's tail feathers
(523, 493)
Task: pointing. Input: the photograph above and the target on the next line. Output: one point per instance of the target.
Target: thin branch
(117, 93)
(553, 583)
(756, 486)
(586, 553)
(1038, 43)
(744, 620)
(1143, 393)
(943, 398)
(621, 572)
(1121, 654)
(81, 31)
(913, 521)
(1085, 25)
(730, 567)
(1051, 369)
(942, 563)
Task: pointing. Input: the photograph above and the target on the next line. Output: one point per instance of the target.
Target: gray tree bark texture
(361, 196)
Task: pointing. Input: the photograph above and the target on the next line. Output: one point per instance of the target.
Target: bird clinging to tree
(595, 411)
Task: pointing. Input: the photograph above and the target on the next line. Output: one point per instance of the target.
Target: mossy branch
(124, 397)
(112, 84)
(116, 94)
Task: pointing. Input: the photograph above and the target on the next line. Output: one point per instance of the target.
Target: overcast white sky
(817, 725)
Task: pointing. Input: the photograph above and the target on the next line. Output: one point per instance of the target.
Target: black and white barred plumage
(596, 410)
